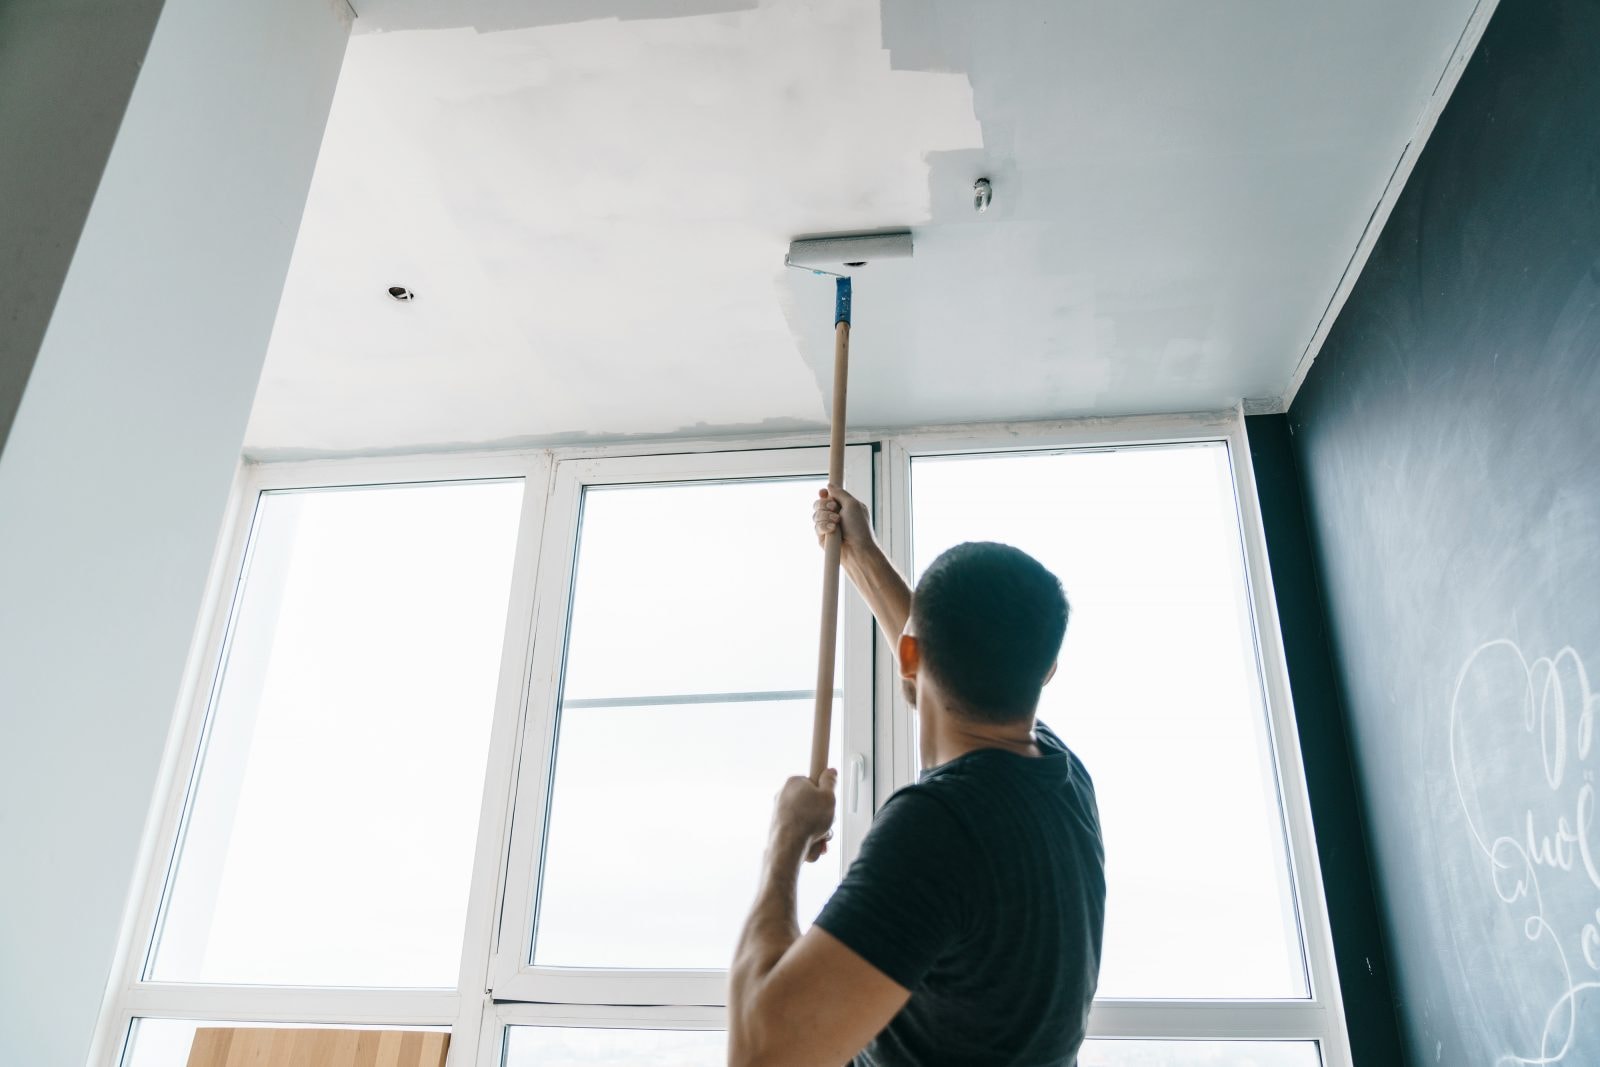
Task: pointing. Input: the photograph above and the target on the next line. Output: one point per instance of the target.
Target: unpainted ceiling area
(592, 200)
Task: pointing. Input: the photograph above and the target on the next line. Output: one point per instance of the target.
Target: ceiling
(591, 200)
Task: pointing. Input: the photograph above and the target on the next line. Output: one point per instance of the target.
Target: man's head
(986, 626)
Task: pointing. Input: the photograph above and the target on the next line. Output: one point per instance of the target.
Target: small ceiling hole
(400, 292)
(856, 263)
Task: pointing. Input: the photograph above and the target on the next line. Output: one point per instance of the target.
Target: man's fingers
(825, 523)
(809, 808)
(827, 514)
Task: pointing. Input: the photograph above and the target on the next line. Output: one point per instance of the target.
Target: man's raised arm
(886, 592)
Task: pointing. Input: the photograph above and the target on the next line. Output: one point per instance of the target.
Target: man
(968, 930)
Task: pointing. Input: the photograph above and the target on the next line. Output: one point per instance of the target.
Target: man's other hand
(804, 814)
(836, 509)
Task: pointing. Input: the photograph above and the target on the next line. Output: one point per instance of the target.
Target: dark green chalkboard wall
(1448, 442)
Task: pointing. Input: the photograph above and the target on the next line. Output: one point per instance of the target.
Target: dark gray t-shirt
(982, 890)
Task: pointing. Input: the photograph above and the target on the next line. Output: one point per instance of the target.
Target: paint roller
(840, 257)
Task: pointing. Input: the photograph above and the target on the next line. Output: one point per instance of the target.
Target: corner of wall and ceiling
(1263, 405)
(1465, 46)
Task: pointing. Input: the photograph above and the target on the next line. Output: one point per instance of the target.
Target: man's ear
(1051, 673)
(910, 657)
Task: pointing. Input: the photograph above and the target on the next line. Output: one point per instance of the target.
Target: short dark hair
(989, 620)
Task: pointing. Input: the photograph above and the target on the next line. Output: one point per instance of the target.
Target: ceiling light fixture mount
(400, 292)
(982, 193)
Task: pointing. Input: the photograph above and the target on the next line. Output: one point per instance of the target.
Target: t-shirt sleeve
(903, 902)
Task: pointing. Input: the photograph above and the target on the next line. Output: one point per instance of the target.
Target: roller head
(847, 255)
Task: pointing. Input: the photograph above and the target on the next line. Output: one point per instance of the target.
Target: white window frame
(495, 989)
(130, 995)
(514, 977)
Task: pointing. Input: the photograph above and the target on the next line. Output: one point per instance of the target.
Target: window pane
(331, 835)
(695, 588)
(1199, 1054)
(559, 1046)
(166, 1042)
(160, 1043)
(657, 826)
(1158, 691)
(661, 800)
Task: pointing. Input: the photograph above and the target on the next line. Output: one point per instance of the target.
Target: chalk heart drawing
(1524, 764)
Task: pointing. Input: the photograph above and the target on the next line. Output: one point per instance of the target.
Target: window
(1163, 691)
(329, 841)
(513, 724)
(680, 646)
(689, 676)
(1158, 691)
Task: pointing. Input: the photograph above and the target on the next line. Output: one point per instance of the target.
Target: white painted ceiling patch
(591, 201)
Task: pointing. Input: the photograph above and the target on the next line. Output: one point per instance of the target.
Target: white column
(117, 466)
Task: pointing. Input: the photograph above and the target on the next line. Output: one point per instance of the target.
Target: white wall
(116, 470)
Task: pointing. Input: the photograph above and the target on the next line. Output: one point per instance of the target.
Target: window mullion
(857, 794)
(894, 735)
(536, 698)
(499, 792)
(667, 699)
(291, 1005)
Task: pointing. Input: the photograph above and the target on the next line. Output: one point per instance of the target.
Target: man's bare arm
(882, 586)
(800, 1001)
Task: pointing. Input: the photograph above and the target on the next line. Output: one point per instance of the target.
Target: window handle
(858, 780)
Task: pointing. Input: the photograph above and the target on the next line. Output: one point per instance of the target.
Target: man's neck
(949, 736)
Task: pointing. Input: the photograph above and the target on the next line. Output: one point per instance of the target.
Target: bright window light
(561, 1046)
(160, 1042)
(1199, 1054)
(687, 700)
(330, 837)
(1159, 692)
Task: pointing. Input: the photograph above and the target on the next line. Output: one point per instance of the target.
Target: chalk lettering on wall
(1539, 833)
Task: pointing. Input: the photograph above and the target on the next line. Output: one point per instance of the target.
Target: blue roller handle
(841, 301)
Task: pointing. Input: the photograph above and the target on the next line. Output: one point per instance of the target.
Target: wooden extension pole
(822, 720)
